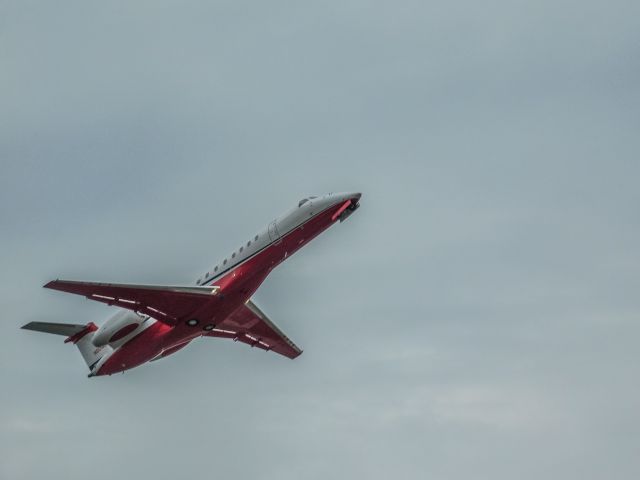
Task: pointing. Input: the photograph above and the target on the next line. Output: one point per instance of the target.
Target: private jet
(155, 321)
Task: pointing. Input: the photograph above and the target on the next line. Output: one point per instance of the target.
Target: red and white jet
(159, 320)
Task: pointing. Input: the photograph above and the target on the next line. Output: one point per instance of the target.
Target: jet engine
(117, 327)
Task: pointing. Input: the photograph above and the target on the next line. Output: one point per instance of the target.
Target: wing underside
(248, 324)
(174, 304)
(167, 303)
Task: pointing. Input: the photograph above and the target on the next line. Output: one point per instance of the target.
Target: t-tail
(80, 335)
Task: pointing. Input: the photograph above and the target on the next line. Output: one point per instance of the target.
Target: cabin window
(241, 249)
(233, 255)
(249, 243)
(215, 269)
(225, 262)
(256, 238)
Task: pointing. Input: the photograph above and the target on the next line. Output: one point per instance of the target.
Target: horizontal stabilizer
(66, 329)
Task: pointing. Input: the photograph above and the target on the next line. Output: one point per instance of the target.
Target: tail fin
(80, 335)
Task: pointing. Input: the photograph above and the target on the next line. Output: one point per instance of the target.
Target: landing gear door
(274, 235)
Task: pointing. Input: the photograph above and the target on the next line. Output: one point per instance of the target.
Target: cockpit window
(305, 200)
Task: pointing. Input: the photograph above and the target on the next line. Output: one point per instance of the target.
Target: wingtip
(297, 354)
(50, 284)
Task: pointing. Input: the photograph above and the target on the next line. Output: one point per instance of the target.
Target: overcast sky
(478, 317)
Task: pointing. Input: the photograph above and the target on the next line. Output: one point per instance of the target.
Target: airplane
(156, 321)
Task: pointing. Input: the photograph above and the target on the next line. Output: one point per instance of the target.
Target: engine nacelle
(117, 327)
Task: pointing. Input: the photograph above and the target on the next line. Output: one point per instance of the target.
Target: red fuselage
(236, 286)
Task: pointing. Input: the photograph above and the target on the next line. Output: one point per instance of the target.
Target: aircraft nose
(347, 203)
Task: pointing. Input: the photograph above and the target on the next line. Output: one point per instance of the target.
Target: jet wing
(167, 303)
(248, 324)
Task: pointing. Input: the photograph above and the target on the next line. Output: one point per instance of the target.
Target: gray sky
(478, 317)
